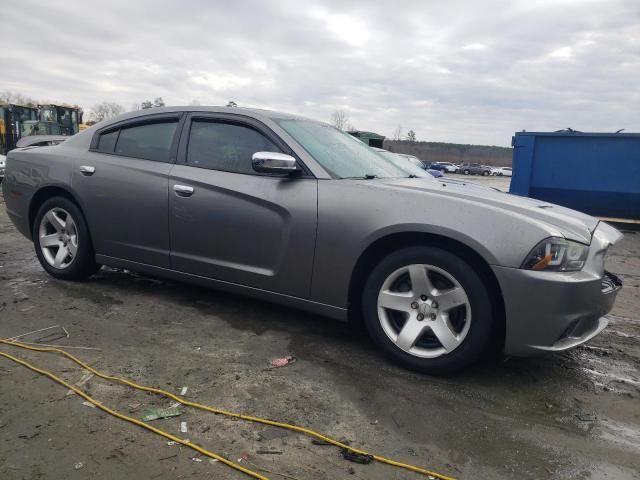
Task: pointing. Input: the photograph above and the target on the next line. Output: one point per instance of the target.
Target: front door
(230, 223)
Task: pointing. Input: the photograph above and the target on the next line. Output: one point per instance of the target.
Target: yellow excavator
(17, 121)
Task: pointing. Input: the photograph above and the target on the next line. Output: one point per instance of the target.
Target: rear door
(230, 223)
(123, 183)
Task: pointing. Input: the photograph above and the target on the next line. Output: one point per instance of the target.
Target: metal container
(595, 173)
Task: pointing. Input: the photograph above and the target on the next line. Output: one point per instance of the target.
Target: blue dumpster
(595, 173)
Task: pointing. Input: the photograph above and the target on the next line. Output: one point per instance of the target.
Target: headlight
(557, 255)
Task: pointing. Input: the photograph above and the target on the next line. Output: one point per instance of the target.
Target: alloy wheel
(58, 237)
(424, 310)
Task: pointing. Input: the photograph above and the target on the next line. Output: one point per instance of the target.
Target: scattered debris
(213, 460)
(51, 327)
(283, 361)
(50, 337)
(269, 452)
(184, 391)
(183, 427)
(134, 406)
(172, 443)
(78, 465)
(356, 457)
(87, 403)
(84, 379)
(157, 413)
(244, 457)
(196, 459)
(375, 422)
(317, 441)
(205, 429)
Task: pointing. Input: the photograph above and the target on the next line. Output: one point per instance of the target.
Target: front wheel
(428, 310)
(62, 242)
(466, 172)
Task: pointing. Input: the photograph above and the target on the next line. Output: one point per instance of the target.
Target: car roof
(258, 113)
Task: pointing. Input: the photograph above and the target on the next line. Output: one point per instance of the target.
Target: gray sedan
(291, 210)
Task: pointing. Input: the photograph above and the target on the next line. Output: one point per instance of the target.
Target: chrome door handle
(87, 171)
(183, 190)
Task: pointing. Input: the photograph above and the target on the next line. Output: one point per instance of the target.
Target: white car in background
(3, 160)
(501, 171)
(448, 167)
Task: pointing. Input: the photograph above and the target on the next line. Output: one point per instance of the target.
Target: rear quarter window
(107, 142)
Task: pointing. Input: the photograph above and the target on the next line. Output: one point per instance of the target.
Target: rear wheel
(428, 310)
(62, 242)
(466, 171)
(485, 173)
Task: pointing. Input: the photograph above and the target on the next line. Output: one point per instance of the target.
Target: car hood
(572, 224)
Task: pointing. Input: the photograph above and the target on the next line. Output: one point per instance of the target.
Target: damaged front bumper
(554, 311)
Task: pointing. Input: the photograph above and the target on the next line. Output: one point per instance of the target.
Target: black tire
(482, 312)
(466, 172)
(485, 173)
(83, 264)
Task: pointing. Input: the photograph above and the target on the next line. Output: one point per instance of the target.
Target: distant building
(370, 138)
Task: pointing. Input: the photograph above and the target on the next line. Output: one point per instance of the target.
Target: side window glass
(107, 142)
(225, 146)
(151, 141)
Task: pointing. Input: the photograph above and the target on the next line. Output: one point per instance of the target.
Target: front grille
(610, 282)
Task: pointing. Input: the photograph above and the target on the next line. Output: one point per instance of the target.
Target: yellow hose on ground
(119, 415)
(199, 406)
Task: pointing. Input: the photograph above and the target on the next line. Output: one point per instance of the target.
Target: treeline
(453, 152)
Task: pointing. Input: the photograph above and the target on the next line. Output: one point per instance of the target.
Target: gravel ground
(566, 416)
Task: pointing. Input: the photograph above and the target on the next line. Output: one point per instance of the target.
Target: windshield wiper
(366, 176)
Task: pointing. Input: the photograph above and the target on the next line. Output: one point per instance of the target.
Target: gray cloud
(459, 71)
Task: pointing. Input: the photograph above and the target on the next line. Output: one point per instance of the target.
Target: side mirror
(273, 162)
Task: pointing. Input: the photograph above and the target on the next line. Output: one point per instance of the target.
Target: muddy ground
(566, 416)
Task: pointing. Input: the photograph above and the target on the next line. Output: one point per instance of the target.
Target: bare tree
(158, 102)
(17, 99)
(411, 136)
(105, 110)
(339, 119)
(397, 133)
(232, 104)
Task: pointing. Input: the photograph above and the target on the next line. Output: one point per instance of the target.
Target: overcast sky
(461, 71)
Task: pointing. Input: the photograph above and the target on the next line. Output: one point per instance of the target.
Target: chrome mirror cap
(273, 162)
